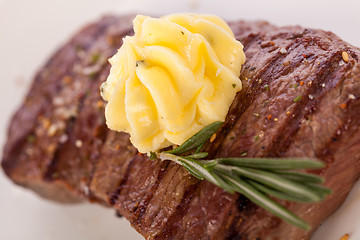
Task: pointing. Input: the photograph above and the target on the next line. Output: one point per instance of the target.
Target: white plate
(31, 30)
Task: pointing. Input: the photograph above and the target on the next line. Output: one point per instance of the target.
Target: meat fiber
(300, 98)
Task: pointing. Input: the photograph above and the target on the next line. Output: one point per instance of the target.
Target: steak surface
(300, 98)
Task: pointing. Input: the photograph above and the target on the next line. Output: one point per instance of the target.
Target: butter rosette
(176, 75)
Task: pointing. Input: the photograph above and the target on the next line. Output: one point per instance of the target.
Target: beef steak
(300, 98)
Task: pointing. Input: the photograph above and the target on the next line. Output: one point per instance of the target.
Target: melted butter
(176, 75)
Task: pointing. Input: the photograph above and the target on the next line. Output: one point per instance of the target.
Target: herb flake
(298, 98)
(30, 138)
(95, 57)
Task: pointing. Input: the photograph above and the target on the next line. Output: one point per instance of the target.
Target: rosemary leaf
(300, 176)
(273, 163)
(208, 164)
(224, 185)
(193, 171)
(198, 155)
(198, 149)
(277, 194)
(274, 181)
(265, 202)
(319, 189)
(204, 172)
(198, 139)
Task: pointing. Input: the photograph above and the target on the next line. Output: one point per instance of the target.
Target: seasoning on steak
(300, 98)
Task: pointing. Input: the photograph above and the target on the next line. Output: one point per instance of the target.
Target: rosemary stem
(265, 202)
(167, 156)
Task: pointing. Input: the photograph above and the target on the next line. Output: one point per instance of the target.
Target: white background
(31, 30)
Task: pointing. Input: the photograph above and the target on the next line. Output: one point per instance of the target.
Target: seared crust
(299, 98)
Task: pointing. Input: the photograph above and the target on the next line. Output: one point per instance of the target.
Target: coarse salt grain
(261, 134)
(78, 143)
(29, 151)
(57, 101)
(286, 63)
(63, 138)
(282, 50)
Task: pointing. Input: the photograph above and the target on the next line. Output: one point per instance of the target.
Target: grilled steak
(300, 98)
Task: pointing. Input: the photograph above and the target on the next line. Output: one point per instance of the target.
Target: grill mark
(113, 197)
(244, 208)
(266, 73)
(140, 210)
(170, 229)
(102, 134)
(337, 138)
(70, 123)
(158, 212)
(52, 167)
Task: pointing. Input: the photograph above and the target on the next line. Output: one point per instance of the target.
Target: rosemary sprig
(255, 178)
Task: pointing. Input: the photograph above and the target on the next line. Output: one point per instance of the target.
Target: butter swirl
(176, 75)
